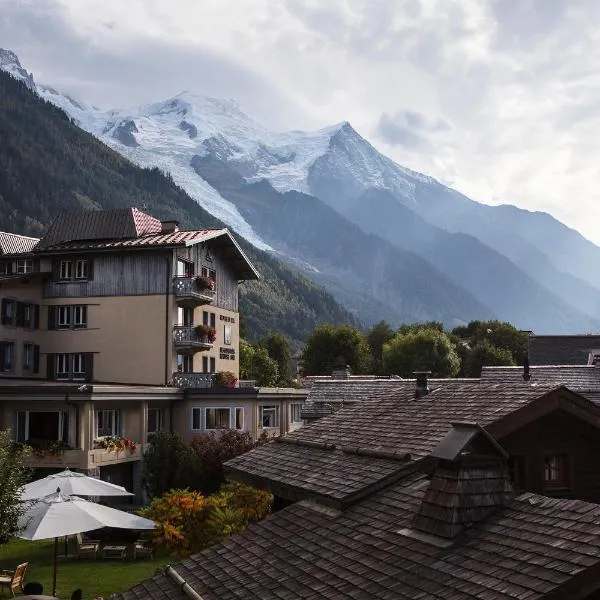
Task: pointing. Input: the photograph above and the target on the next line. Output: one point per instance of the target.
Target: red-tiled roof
(145, 223)
(11, 243)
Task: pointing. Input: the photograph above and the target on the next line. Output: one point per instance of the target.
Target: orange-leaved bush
(187, 521)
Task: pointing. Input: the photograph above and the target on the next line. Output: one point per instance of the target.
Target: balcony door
(41, 426)
(185, 268)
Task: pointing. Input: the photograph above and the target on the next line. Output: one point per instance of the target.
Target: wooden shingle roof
(562, 349)
(533, 547)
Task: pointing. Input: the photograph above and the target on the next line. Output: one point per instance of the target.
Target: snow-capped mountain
(503, 257)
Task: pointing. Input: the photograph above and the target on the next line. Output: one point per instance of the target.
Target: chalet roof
(562, 349)
(529, 549)
(575, 377)
(11, 243)
(318, 459)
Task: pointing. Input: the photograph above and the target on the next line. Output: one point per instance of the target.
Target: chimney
(526, 372)
(341, 372)
(169, 226)
(469, 483)
(422, 387)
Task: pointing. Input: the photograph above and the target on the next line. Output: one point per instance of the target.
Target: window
(62, 366)
(217, 418)
(556, 471)
(31, 358)
(24, 265)
(8, 311)
(79, 317)
(239, 418)
(155, 419)
(269, 416)
(7, 357)
(196, 425)
(63, 317)
(185, 316)
(73, 270)
(295, 413)
(5, 267)
(65, 271)
(227, 334)
(108, 422)
(81, 269)
(42, 425)
(72, 366)
(206, 272)
(184, 268)
(78, 366)
(209, 364)
(185, 363)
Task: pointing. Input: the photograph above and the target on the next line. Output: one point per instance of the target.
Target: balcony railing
(204, 380)
(84, 459)
(188, 339)
(190, 292)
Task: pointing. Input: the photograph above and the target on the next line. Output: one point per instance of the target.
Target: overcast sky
(496, 98)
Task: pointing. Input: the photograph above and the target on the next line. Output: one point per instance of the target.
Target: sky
(495, 98)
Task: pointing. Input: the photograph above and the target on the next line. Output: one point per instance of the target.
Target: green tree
(381, 334)
(168, 464)
(498, 334)
(213, 450)
(414, 327)
(422, 350)
(255, 363)
(14, 474)
(278, 349)
(327, 345)
(484, 354)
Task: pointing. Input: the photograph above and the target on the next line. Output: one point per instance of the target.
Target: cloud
(496, 97)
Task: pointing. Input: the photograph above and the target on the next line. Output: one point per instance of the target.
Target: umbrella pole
(55, 565)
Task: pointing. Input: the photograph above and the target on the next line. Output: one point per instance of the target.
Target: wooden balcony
(84, 459)
(190, 293)
(188, 340)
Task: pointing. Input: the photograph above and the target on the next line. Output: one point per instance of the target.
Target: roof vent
(169, 226)
(422, 386)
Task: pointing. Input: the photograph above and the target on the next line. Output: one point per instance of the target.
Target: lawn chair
(142, 549)
(13, 579)
(87, 548)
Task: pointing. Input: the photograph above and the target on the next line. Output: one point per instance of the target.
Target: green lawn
(95, 578)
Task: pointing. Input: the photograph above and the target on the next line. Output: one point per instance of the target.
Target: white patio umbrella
(71, 483)
(59, 514)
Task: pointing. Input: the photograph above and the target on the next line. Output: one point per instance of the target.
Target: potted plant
(225, 379)
(205, 283)
(115, 443)
(206, 333)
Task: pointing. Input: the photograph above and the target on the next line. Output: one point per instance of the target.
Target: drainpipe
(167, 320)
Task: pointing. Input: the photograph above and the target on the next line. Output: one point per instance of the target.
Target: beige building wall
(126, 334)
(30, 292)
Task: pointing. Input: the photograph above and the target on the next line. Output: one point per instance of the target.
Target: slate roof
(575, 377)
(562, 349)
(531, 548)
(318, 459)
(11, 243)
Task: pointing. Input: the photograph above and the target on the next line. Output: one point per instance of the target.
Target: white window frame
(63, 316)
(65, 270)
(79, 316)
(196, 411)
(62, 365)
(295, 407)
(114, 418)
(216, 408)
(81, 269)
(23, 265)
(240, 418)
(63, 418)
(28, 353)
(78, 365)
(159, 419)
(261, 416)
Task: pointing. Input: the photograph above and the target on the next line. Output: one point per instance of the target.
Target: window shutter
(52, 317)
(20, 314)
(36, 316)
(50, 366)
(36, 359)
(4, 312)
(90, 266)
(88, 359)
(56, 270)
(84, 314)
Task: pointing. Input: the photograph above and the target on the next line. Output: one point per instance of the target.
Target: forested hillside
(48, 164)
